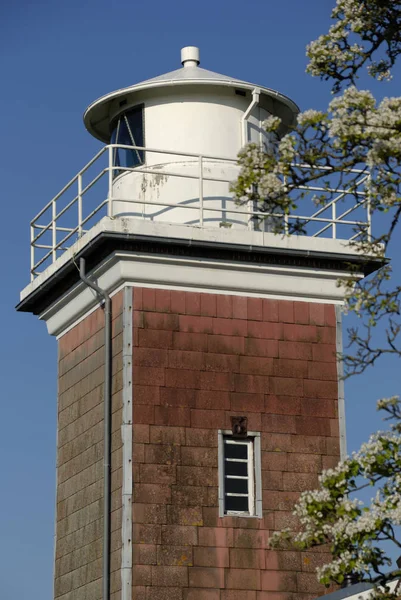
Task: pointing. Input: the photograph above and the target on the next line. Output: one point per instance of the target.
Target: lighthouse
(198, 385)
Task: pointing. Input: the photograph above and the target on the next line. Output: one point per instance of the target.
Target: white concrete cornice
(191, 235)
(124, 268)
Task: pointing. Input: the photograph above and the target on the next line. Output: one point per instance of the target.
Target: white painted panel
(208, 122)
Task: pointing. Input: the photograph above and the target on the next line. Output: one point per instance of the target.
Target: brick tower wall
(79, 518)
(199, 359)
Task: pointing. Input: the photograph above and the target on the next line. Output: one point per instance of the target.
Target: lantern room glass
(128, 131)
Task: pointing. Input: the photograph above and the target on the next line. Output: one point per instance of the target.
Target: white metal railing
(76, 208)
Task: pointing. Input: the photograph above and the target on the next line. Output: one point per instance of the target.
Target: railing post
(333, 218)
(80, 205)
(54, 231)
(200, 190)
(110, 191)
(251, 224)
(368, 210)
(32, 252)
(286, 219)
(286, 224)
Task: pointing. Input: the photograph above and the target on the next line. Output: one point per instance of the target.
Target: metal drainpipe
(244, 134)
(254, 102)
(107, 426)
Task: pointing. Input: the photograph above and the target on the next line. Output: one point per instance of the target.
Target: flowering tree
(331, 516)
(355, 137)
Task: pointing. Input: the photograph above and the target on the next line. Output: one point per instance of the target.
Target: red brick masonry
(198, 359)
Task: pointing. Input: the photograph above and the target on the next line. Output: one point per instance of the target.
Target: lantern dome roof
(97, 119)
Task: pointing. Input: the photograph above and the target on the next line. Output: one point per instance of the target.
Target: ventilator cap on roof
(190, 56)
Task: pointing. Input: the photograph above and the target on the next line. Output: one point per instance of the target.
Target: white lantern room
(177, 138)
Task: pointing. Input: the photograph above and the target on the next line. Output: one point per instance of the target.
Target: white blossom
(272, 123)
(309, 117)
(352, 40)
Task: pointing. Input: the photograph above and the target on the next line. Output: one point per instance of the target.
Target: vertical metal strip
(258, 475)
(221, 472)
(56, 490)
(126, 434)
(340, 375)
(251, 477)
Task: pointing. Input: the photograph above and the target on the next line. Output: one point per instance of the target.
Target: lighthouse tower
(198, 386)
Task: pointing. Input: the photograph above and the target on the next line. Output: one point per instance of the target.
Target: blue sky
(56, 58)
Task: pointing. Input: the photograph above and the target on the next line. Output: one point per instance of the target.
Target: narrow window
(239, 475)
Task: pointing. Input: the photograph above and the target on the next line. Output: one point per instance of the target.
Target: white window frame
(252, 440)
